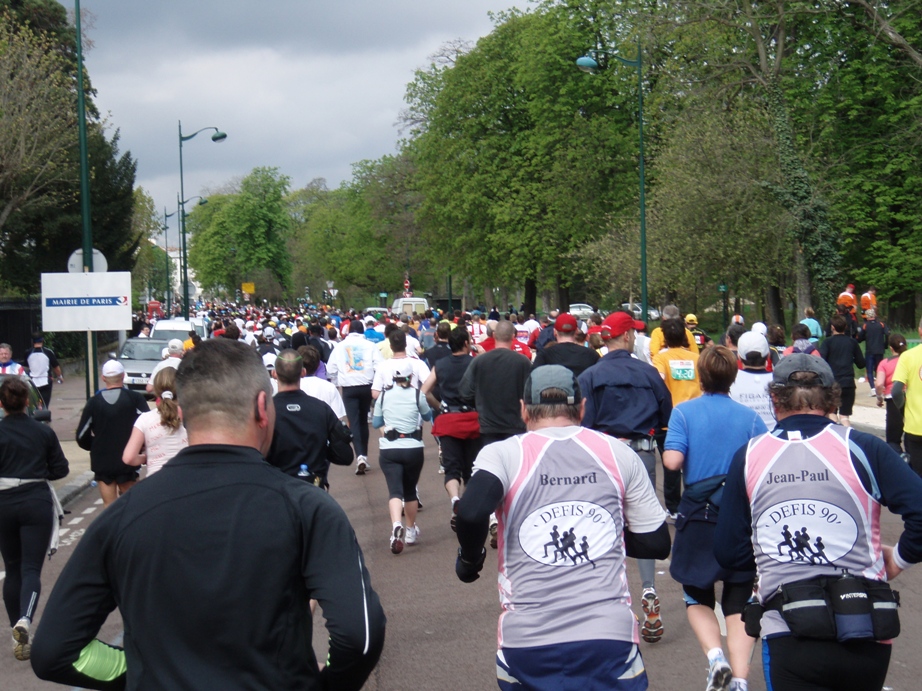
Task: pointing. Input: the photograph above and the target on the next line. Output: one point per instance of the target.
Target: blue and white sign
(86, 301)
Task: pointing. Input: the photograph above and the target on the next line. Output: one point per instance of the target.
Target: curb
(73, 489)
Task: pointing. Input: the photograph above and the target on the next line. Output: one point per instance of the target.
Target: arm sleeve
(58, 466)
(642, 511)
(84, 433)
(339, 441)
(859, 356)
(677, 436)
(482, 495)
(733, 533)
(334, 573)
(653, 545)
(424, 410)
(65, 649)
(898, 394)
(900, 491)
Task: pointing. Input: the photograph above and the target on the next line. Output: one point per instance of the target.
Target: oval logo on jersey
(293, 408)
(568, 533)
(806, 531)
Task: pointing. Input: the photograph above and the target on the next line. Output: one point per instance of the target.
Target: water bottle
(303, 472)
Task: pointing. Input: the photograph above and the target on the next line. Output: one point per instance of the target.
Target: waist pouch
(845, 608)
(394, 435)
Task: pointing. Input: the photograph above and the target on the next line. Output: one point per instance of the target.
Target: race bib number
(682, 370)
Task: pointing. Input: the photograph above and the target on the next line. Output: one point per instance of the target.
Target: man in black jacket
(843, 354)
(105, 427)
(308, 434)
(874, 333)
(213, 561)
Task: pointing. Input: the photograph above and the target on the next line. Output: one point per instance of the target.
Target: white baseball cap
(112, 368)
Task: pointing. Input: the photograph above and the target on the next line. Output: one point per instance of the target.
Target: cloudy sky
(308, 86)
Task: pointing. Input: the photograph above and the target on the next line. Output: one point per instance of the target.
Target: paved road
(442, 633)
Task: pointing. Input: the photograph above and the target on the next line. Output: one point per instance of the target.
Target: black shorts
(117, 478)
(402, 468)
(848, 401)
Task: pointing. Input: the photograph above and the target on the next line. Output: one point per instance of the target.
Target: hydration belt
(394, 435)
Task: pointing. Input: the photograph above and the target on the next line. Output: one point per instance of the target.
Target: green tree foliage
(150, 266)
(521, 158)
(37, 120)
(41, 238)
(235, 237)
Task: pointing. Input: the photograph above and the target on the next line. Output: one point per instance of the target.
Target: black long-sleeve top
(843, 354)
(29, 450)
(900, 491)
(212, 562)
(307, 432)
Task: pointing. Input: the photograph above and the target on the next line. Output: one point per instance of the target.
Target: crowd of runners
(549, 434)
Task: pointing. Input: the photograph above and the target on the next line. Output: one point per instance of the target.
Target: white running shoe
(652, 627)
(361, 465)
(719, 675)
(397, 537)
(22, 648)
(494, 531)
(413, 535)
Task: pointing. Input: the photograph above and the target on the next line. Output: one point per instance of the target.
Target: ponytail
(165, 391)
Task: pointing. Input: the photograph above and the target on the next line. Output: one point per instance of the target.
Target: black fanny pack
(835, 608)
(394, 435)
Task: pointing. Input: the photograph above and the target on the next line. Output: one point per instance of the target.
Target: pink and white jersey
(811, 515)
(569, 493)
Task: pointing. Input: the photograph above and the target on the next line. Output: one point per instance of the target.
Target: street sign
(334, 291)
(86, 301)
(382, 295)
(722, 288)
(75, 262)
(248, 288)
(406, 284)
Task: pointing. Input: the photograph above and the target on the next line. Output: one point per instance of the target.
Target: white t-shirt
(162, 365)
(384, 375)
(323, 390)
(751, 389)
(161, 442)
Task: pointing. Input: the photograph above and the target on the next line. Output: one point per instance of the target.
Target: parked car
(581, 310)
(653, 314)
(36, 407)
(409, 305)
(168, 329)
(139, 356)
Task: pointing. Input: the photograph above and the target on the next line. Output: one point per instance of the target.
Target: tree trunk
(773, 307)
(503, 300)
(531, 295)
(546, 300)
(563, 296)
(803, 285)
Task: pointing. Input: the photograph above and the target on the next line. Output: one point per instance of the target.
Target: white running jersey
(569, 494)
(751, 389)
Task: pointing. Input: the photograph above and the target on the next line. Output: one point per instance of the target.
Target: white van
(410, 305)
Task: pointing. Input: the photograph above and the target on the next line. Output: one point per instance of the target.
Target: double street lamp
(218, 136)
(594, 62)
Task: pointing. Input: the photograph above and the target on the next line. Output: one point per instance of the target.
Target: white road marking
(92, 509)
(98, 502)
(63, 531)
(75, 521)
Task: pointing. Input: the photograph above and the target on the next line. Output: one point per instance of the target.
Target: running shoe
(739, 685)
(413, 535)
(652, 628)
(397, 537)
(719, 675)
(22, 648)
(494, 531)
(361, 465)
(454, 516)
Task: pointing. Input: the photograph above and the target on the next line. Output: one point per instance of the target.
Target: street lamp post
(183, 254)
(218, 136)
(593, 62)
(168, 294)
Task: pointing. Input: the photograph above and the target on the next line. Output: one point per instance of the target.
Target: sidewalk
(866, 413)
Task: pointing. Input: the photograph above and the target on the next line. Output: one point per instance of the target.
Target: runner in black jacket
(30, 454)
(843, 354)
(213, 561)
(307, 431)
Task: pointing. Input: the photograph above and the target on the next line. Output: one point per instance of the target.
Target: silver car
(139, 356)
(636, 310)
